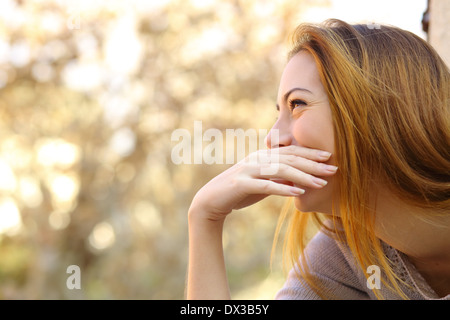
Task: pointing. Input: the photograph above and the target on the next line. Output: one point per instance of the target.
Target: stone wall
(439, 27)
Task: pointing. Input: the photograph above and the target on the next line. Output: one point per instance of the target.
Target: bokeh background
(90, 94)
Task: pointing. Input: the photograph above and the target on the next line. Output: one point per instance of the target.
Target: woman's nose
(278, 137)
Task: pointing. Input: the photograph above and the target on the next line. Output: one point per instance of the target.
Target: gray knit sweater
(333, 265)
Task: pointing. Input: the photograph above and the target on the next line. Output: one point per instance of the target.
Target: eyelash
(294, 102)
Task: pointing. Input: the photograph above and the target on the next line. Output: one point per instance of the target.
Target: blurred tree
(90, 93)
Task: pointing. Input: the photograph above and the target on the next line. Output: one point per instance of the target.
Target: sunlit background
(90, 93)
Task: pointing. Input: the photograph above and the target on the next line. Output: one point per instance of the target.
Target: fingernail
(297, 191)
(319, 182)
(324, 154)
(330, 168)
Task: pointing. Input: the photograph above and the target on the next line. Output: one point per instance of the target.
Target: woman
(362, 145)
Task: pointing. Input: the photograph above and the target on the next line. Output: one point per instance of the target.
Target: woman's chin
(312, 201)
(300, 203)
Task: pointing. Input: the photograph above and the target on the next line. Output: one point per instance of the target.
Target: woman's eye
(296, 103)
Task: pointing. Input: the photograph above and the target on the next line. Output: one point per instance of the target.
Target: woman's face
(305, 120)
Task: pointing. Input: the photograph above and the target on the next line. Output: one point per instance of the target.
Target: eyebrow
(287, 94)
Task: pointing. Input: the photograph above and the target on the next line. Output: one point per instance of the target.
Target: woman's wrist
(198, 213)
(206, 273)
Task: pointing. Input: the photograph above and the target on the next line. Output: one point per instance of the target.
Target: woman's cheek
(314, 132)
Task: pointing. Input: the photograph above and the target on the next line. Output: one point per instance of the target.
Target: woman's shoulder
(332, 269)
(335, 267)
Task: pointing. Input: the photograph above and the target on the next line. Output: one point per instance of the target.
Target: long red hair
(389, 93)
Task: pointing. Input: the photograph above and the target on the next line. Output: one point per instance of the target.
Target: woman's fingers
(303, 164)
(308, 160)
(292, 165)
(296, 176)
(262, 186)
(311, 154)
(285, 171)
